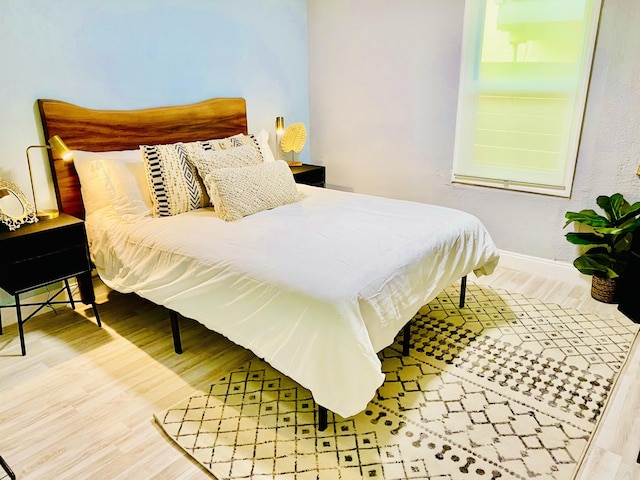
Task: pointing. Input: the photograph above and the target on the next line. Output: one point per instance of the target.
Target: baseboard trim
(562, 271)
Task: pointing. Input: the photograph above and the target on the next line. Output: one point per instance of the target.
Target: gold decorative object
(294, 138)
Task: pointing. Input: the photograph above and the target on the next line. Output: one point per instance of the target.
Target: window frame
(470, 89)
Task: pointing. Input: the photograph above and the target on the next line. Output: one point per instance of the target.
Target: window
(523, 86)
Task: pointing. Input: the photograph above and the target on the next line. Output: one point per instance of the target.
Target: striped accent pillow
(173, 181)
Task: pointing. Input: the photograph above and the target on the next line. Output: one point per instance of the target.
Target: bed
(316, 286)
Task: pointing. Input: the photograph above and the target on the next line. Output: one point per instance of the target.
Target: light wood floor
(80, 404)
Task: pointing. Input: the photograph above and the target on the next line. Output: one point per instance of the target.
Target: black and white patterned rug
(505, 388)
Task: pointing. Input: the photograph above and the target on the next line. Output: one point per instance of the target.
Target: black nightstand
(43, 253)
(309, 174)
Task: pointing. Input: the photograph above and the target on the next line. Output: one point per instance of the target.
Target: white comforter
(316, 288)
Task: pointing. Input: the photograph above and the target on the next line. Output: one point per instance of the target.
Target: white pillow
(126, 184)
(92, 176)
(240, 191)
(94, 194)
(263, 142)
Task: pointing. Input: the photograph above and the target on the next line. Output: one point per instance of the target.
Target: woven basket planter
(604, 289)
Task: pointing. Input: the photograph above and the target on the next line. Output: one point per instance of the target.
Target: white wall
(125, 54)
(383, 80)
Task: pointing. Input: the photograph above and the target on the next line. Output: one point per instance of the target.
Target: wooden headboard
(107, 130)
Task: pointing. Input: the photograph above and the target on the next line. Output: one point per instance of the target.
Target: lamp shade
(60, 147)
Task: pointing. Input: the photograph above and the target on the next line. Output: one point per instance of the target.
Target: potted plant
(608, 243)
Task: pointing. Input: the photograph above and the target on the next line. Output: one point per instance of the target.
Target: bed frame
(107, 130)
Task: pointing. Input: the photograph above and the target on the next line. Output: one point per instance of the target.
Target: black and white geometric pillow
(173, 181)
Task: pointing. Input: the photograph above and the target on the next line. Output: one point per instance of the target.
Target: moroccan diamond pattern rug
(504, 388)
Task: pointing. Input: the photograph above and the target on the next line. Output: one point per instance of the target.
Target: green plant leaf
(614, 205)
(611, 265)
(622, 243)
(585, 238)
(631, 214)
(587, 217)
(629, 226)
(591, 266)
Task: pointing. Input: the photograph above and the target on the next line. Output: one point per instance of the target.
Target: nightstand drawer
(37, 271)
(43, 243)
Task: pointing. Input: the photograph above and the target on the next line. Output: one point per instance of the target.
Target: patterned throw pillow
(240, 191)
(195, 149)
(173, 181)
(206, 161)
(232, 142)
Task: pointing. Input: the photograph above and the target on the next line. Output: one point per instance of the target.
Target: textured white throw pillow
(208, 160)
(195, 149)
(240, 191)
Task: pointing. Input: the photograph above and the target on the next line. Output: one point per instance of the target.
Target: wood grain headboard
(107, 130)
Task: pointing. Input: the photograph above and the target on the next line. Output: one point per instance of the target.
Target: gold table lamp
(56, 144)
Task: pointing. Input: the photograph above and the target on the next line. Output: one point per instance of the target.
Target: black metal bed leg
(323, 421)
(23, 346)
(175, 331)
(69, 294)
(463, 290)
(96, 314)
(406, 339)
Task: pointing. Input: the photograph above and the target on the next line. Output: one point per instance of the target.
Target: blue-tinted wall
(124, 54)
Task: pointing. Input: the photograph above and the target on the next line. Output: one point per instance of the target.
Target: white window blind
(523, 85)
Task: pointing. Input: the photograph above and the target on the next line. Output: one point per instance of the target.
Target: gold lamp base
(47, 214)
